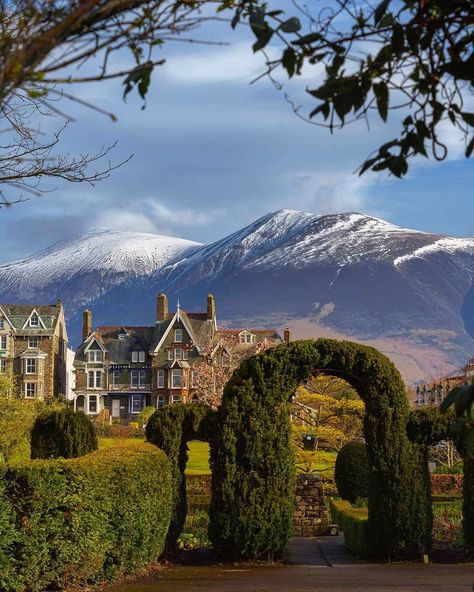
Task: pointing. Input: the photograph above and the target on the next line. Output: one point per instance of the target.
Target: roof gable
(182, 317)
(4, 316)
(33, 315)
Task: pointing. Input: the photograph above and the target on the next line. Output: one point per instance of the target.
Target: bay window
(94, 379)
(176, 378)
(160, 379)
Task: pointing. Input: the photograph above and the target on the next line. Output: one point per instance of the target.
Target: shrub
(446, 484)
(468, 501)
(171, 428)
(62, 433)
(83, 520)
(145, 414)
(353, 522)
(119, 431)
(352, 471)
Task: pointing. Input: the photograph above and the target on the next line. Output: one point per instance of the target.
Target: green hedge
(353, 522)
(352, 471)
(62, 434)
(83, 520)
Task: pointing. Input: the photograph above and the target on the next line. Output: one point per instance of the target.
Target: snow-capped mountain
(354, 274)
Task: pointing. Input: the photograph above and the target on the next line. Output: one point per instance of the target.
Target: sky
(212, 152)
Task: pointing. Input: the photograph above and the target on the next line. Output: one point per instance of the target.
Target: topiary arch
(253, 469)
(252, 466)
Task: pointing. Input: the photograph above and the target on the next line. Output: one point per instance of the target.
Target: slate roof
(118, 350)
(18, 314)
(260, 334)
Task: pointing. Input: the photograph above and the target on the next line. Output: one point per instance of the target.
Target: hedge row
(353, 522)
(446, 484)
(82, 520)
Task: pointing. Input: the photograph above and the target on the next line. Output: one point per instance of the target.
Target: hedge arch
(171, 428)
(252, 464)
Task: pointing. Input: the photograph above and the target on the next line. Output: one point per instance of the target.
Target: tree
(328, 409)
(413, 58)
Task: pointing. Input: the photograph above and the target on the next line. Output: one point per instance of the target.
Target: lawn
(198, 463)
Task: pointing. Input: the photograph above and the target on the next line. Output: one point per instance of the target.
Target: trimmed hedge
(83, 520)
(354, 524)
(446, 483)
(352, 471)
(252, 498)
(171, 428)
(62, 434)
(468, 502)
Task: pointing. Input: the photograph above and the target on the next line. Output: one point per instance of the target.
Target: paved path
(323, 551)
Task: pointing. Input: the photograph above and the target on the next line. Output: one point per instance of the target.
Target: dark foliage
(468, 501)
(429, 426)
(253, 471)
(352, 471)
(83, 520)
(353, 522)
(62, 434)
(171, 428)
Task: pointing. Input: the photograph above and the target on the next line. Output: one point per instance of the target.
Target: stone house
(33, 344)
(124, 368)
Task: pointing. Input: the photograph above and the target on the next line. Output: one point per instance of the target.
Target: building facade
(124, 369)
(33, 344)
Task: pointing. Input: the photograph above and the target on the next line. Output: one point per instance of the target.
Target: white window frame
(31, 366)
(2, 324)
(33, 339)
(176, 372)
(97, 377)
(95, 356)
(178, 336)
(134, 356)
(115, 373)
(140, 379)
(160, 379)
(131, 404)
(30, 384)
(194, 375)
(160, 401)
(3, 365)
(3, 341)
(178, 353)
(34, 317)
(141, 356)
(171, 354)
(176, 399)
(96, 401)
(185, 354)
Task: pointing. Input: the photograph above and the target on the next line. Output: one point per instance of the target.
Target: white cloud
(179, 215)
(125, 220)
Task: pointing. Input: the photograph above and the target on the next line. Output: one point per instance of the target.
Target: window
(30, 390)
(2, 324)
(32, 342)
(141, 356)
(95, 355)
(137, 378)
(94, 379)
(195, 399)
(160, 401)
(176, 399)
(122, 336)
(93, 407)
(185, 354)
(178, 335)
(34, 320)
(194, 377)
(178, 353)
(137, 403)
(3, 341)
(135, 356)
(160, 379)
(176, 378)
(31, 366)
(248, 338)
(170, 354)
(116, 378)
(3, 365)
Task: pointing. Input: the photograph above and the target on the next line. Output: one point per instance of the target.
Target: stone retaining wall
(311, 516)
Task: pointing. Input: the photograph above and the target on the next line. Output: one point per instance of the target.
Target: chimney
(161, 307)
(86, 324)
(59, 304)
(287, 335)
(211, 307)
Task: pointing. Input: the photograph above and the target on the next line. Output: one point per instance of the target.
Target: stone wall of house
(311, 516)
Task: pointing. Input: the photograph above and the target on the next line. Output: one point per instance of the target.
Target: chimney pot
(287, 335)
(161, 307)
(211, 307)
(86, 324)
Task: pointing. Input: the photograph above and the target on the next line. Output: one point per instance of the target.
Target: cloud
(178, 215)
(124, 220)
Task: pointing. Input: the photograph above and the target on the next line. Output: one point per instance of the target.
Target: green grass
(106, 442)
(198, 463)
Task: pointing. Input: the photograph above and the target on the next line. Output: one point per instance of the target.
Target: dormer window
(246, 337)
(135, 356)
(34, 320)
(122, 336)
(95, 356)
(141, 356)
(178, 335)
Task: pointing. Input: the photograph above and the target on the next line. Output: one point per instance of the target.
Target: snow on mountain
(109, 253)
(449, 245)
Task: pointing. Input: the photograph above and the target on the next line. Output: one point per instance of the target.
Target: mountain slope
(356, 275)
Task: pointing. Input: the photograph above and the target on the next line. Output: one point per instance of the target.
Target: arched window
(160, 401)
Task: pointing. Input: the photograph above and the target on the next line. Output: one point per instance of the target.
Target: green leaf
(398, 38)
(289, 61)
(292, 25)
(450, 399)
(381, 96)
(324, 108)
(308, 39)
(464, 398)
(468, 117)
(468, 442)
(380, 11)
(264, 37)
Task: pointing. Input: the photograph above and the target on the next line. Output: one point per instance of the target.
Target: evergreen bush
(62, 434)
(171, 428)
(352, 471)
(252, 464)
(468, 502)
(353, 522)
(79, 521)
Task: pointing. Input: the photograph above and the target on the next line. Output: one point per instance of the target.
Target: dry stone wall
(311, 516)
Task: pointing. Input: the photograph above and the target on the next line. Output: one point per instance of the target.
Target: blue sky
(212, 153)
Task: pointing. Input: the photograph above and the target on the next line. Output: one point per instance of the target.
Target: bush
(352, 471)
(446, 484)
(171, 428)
(353, 522)
(119, 431)
(62, 434)
(468, 502)
(83, 520)
(145, 414)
